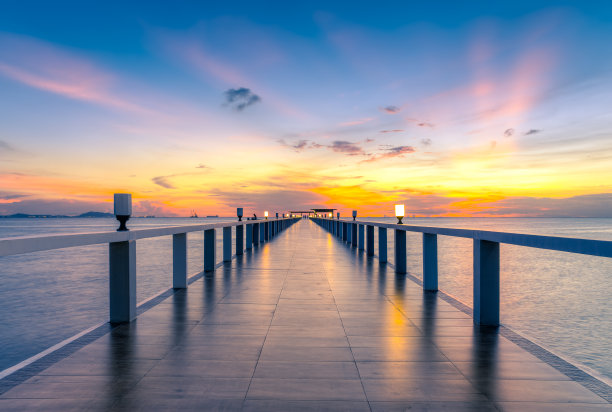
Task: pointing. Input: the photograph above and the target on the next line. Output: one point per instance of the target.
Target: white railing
(485, 253)
(122, 253)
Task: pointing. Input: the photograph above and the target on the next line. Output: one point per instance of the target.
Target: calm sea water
(558, 299)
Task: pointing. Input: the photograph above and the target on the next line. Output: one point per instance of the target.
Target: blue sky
(454, 108)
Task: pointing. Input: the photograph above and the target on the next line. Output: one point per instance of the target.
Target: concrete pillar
(179, 261)
(344, 231)
(227, 244)
(382, 244)
(262, 232)
(256, 233)
(430, 261)
(267, 231)
(210, 249)
(370, 240)
(400, 251)
(122, 281)
(361, 237)
(239, 239)
(249, 236)
(354, 234)
(486, 282)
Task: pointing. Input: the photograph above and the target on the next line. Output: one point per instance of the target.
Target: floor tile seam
(585, 379)
(121, 398)
(246, 393)
(420, 330)
(591, 383)
(39, 365)
(348, 341)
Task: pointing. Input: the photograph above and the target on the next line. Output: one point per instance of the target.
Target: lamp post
(330, 215)
(354, 214)
(266, 214)
(338, 215)
(123, 209)
(239, 213)
(399, 213)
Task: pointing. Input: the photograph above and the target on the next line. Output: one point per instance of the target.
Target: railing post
(486, 282)
(210, 249)
(266, 231)
(122, 281)
(179, 261)
(249, 236)
(382, 244)
(227, 244)
(354, 234)
(430, 261)
(262, 232)
(344, 232)
(256, 234)
(361, 237)
(370, 240)
(239, 239)
(400, 251)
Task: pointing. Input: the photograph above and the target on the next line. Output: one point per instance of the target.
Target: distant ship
(213, 216)
(193, 214)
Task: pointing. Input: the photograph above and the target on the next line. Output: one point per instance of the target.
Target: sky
(471, 108)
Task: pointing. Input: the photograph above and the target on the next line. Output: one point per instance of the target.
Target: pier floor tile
(301, 323)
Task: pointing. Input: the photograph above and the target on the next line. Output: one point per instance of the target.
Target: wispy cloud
(391, 109)
(240, 98)
(202, 166)
(390, 152)
(508, 132)
(163, 182)
(392, 131)
(356, 122)
(426, 142)
(5, 147)
(192, 52)
(420, 123)
(348, 148)
(338, 146)
(46, 67)
(532, 131)
(297, 146)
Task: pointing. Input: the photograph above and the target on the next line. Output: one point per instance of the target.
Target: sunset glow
(479, 110)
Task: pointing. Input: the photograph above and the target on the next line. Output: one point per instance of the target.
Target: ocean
(559, 300)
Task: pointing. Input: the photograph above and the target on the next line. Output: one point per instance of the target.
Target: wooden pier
(302, 322)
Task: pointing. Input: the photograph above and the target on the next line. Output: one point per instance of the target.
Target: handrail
(27, 244)
(122, 252)
(591, 247)
(486, 254)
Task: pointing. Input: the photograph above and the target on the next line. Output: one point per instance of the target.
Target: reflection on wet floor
(308, 322)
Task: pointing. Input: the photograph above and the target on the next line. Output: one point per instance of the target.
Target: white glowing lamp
(330, 215)
(266, 214)
(399, 213)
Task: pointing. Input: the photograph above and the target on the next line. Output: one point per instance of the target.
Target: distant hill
(27, 216)
(96, 214)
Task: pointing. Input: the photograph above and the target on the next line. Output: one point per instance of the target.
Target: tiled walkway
(302, 323)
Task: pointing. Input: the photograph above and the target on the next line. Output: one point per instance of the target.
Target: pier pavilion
(312, 212)
(274, 328)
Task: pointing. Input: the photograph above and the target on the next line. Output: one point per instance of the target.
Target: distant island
(28, 216)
